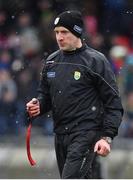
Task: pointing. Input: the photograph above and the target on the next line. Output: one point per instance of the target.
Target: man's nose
(60, 37)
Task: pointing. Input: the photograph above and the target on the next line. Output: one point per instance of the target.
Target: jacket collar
(76, 50)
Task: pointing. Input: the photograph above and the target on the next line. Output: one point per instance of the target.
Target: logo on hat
(77, 75)
(77, 29)
(56, 20)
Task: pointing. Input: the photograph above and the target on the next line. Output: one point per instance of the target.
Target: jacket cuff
(107, 134)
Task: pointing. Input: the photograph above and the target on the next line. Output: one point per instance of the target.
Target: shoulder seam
(54, 54)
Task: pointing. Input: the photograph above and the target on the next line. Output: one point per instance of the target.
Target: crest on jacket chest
(77, 75)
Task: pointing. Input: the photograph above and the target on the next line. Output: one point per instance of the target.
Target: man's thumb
(96, 147)
(34, 100)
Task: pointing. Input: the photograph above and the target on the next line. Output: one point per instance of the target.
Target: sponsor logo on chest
(51, 74)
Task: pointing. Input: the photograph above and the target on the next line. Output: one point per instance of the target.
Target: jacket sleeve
(43, 92)
(106, 85)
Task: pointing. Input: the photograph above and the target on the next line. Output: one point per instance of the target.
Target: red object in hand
(32, 162)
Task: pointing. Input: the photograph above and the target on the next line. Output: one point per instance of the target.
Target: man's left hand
(102, 147)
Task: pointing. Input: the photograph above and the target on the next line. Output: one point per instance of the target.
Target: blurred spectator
(5, 60)
(118, 54)
(3, 28)
(24, 82)
(13, 43)
(46, 20)
(112, 20)
(126, 129)
(28, 35)
(9, 110)
(128, 75)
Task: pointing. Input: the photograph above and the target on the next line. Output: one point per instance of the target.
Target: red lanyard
(32, 162)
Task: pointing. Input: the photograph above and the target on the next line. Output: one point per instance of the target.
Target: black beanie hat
(72, 20)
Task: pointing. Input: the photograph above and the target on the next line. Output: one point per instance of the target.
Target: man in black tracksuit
(78, 85)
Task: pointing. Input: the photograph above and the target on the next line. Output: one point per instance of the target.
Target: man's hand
(102, 147)
(33, 107)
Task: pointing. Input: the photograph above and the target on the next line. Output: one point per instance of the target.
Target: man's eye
(64, 32)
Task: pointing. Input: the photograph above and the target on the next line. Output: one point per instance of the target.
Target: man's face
(65, 39)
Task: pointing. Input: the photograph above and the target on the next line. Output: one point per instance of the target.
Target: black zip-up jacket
(80, 89)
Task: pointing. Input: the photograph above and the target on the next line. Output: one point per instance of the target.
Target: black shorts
(75, 154)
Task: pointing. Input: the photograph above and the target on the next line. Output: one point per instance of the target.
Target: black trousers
(75, 155)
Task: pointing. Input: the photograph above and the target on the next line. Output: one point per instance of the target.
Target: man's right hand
(33, 107)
